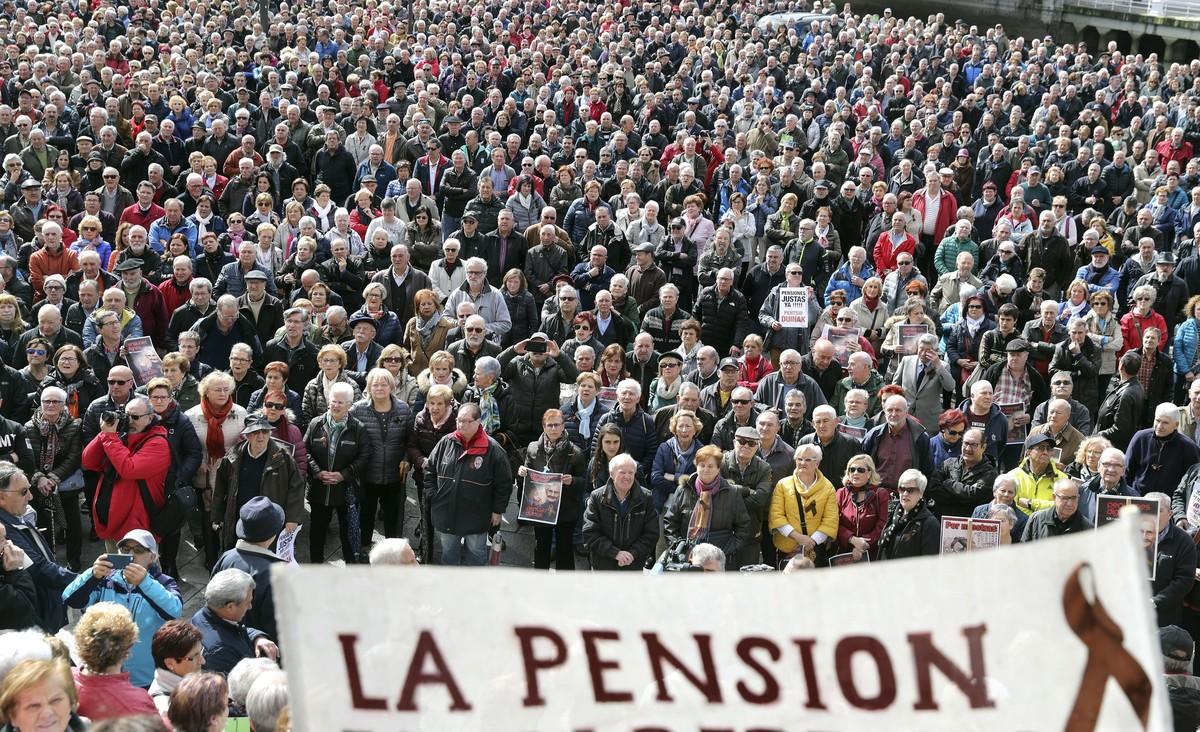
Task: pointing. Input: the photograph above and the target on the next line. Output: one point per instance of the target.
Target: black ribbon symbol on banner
(1106, 658)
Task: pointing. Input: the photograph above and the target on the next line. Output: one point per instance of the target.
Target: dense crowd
(686, 286)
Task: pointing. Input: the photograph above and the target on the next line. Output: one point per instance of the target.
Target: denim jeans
(474, 554)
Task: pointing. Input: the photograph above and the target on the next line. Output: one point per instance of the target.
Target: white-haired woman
(913, 530)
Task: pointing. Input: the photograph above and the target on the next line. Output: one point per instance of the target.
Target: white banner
(1017, 638)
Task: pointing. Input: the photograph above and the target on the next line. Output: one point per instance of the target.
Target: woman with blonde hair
(331, 360)
(803, 517)
(12, 325)
(218, 421)
(441, 371)
(104, 639)
(1086, 461)
(39, 694)
(426, 332)
(395, 360)
(862, 508)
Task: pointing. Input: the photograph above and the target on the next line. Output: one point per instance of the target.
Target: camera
(115, 417)
(535, 347)
(677, 558)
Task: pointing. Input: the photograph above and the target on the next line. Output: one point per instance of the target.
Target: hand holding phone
(119, 561)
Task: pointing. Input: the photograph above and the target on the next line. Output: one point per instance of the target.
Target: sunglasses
(857, 469)
(745, 442)
(117, 382)
(740, 401)
(274, 405)
(36, 352)
(392, 359)
(955, 433)
(473, 330)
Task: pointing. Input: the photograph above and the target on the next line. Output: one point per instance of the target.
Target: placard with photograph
(143, 360)
(841, 338)
(969, 534)
(542, 497)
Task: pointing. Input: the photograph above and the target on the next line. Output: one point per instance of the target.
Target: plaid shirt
(1009, 390)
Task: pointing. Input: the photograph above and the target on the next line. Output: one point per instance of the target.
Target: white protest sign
(793, 307)
(977, 641)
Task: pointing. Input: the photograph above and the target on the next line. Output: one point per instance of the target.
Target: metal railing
(1158, 8)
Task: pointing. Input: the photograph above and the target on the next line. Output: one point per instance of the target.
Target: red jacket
(750, 374)
(866, 520)
(133, 215)
(117, 506)
(1133, 326)
(1166, 153)
(173, 296)
(947, 212)
(885, 255)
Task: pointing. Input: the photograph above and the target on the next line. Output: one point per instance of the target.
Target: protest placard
(906, 337)
(793, 307)
(541, 498)
(841, 338)
(968, 534)
(1016, 435)
(1108, 510)
(143, 360)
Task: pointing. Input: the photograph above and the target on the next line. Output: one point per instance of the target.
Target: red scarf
(870, 302)
(214, 441)
(477, 445)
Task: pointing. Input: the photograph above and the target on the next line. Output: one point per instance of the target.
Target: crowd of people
(749, 293)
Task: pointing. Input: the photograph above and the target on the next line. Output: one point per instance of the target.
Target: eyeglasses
(1142, 299)
(1068, 499)
(903, 262)
(19, 491)
(52, 401)
(974, 306)
(35, 351)
(474, 273)
(670, 365)
(744, 442)
(274, 405)
(136, 416)
(555, 425)
(566, 298)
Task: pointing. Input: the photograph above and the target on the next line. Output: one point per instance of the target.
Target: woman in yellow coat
(804, 512)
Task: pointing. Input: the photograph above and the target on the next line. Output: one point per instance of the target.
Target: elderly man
(198, 306)
(1066, 438)
(1015, 381)
(688, 399)
(52, 259)
(232, 279)
(1110, 481)
(641, 439)
(836, 448)
(1120, 413)
(488, 301)
(926, 380)
(723, 315)
(49, 579)
(664, 322)
(821, 364)
(401, 283)
(49, 327)
(1047, 249)
(1158, 457)
(394, 552)
(777, 453)
(228, 597)
(114, 301)
(946, 291)
(1062, 386)
(899, 444)
(222, 329)
(1061, 517)
(1036, 475)
(259, 524)
(144, 298)
(534, 369)
(473, 346)
(620, 523)
(960, 483)
(468, 496)
(592, 277)
(860, 375)
(742, 414)
(1176, 565)
(775, 386)
(90, 269)
(748, 472)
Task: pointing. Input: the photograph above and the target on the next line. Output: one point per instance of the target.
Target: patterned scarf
(702, 513)
(49, 432)
(425, 328)
(490, 408)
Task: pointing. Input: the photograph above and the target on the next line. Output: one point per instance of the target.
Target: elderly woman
(331, 360)
(185, 390)
(387, 325)
(893, 347)
(55, 443)
(430, 425)
(664, 389)
(426, 332)
(442, 371)
(913, 530)
(525, 203)
(40, 695)
(862, 509)
(620, 524)
(1141, 317)
(585, 335)
(448, 273)
(424, 239)
(69, 371)
(275, 377)
(675, 457)
(947, 443)
(553, 452)
(1086, 462)
(178, 649)
(200, 703)
(395, 360)
(218, 421)
(705, 507)
(522, 308)
(803, 517)
(339, 455)
(386, 421)
(783, 226)
(104, 640)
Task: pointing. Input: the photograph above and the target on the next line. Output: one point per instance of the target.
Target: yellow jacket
(820, 510)
(1039, 489)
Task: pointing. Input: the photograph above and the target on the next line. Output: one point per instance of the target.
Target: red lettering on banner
(770, 692)
(417, 676)
(358, 699)
(710, 685)
(846, 648)
(533, 664)
(597, 666)
(926, 655)
(805, 646)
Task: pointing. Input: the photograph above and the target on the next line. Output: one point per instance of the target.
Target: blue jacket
(384, 175)
(587, 285)
(1187, 338)
(48, 577)
(152, 603)
(225, 643)
(578, 218)
(841, 281)
(256, 562)
(161, 231)
(1106, 282)
(668, 459)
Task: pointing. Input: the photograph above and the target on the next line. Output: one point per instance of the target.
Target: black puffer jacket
(955, 490)
(912, 534)
(351, 459)
(607, 531)
(723, 323)
(729, 524)
(564, 457)
(534, 390)
(388, 432)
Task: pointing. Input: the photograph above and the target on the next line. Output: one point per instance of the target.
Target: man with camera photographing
(132, 456)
